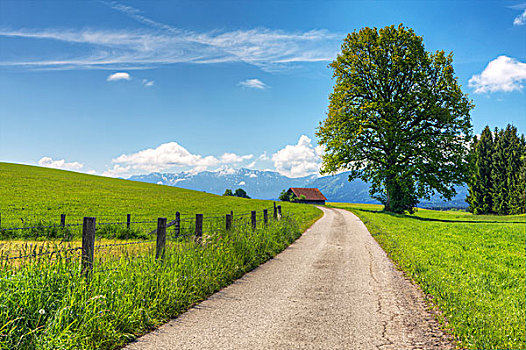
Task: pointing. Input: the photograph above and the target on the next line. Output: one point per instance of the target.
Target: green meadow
(31, 195)
(472, 267)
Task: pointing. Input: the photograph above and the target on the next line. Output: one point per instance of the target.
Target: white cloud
(163, 157)
(234, 158)
(241, 183)
(264, 156)
(117, 171)
(165, 44)
(520, 19)
(226, 170)
(171, 155)
(502, 74)
(253, 84)
(118, 76)
(298, 160)
(48, 162)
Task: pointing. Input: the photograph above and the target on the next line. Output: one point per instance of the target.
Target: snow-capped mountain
(268, 185)
(257, 183)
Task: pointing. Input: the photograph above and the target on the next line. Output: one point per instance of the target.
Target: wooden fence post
(228, 221)
(265, 216)
(128, 221)
(62, 220)
(161, 238)
(177, 223)
(279, 212)
(275, 211)
(253, 219)
(88, 245)
(198, 227)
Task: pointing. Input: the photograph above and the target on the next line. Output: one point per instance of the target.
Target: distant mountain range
(268, 185)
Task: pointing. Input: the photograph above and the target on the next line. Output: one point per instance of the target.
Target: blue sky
(120, 88)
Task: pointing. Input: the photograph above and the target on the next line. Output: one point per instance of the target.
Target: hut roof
(311, 194)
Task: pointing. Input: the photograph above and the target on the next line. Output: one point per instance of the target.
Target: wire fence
(116, 239)
(19, 219)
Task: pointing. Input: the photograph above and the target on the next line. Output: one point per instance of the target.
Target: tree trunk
(388, 190)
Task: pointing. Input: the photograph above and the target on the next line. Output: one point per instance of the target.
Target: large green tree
(397, 118)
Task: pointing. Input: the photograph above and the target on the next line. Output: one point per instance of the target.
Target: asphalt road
(334, 288)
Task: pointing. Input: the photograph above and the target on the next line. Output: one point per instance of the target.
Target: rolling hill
(37, 193)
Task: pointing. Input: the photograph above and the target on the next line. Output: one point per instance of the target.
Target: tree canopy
(241, 193)
(237, 193)
(397, 118)
(286, 196)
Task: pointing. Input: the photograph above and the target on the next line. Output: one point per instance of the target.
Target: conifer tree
(498, 180)
(522, 177)
(507, 168)
(499, 176)
(481, 184)
(514, 167)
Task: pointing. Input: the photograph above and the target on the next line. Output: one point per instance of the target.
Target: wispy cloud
(253, 84)
(148, 83)
(267, 49)
(135, 13)
(502, 74)
(118, 76)
(165, 44)
(521, 6)
(520, 19)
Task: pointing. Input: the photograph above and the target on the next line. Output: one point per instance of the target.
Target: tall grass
(48, 305)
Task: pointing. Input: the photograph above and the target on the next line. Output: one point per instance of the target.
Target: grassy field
(45, 303)
(31, 195)
(473, 268)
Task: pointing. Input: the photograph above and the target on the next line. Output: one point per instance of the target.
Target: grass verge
(473, 268)
(48, 305)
